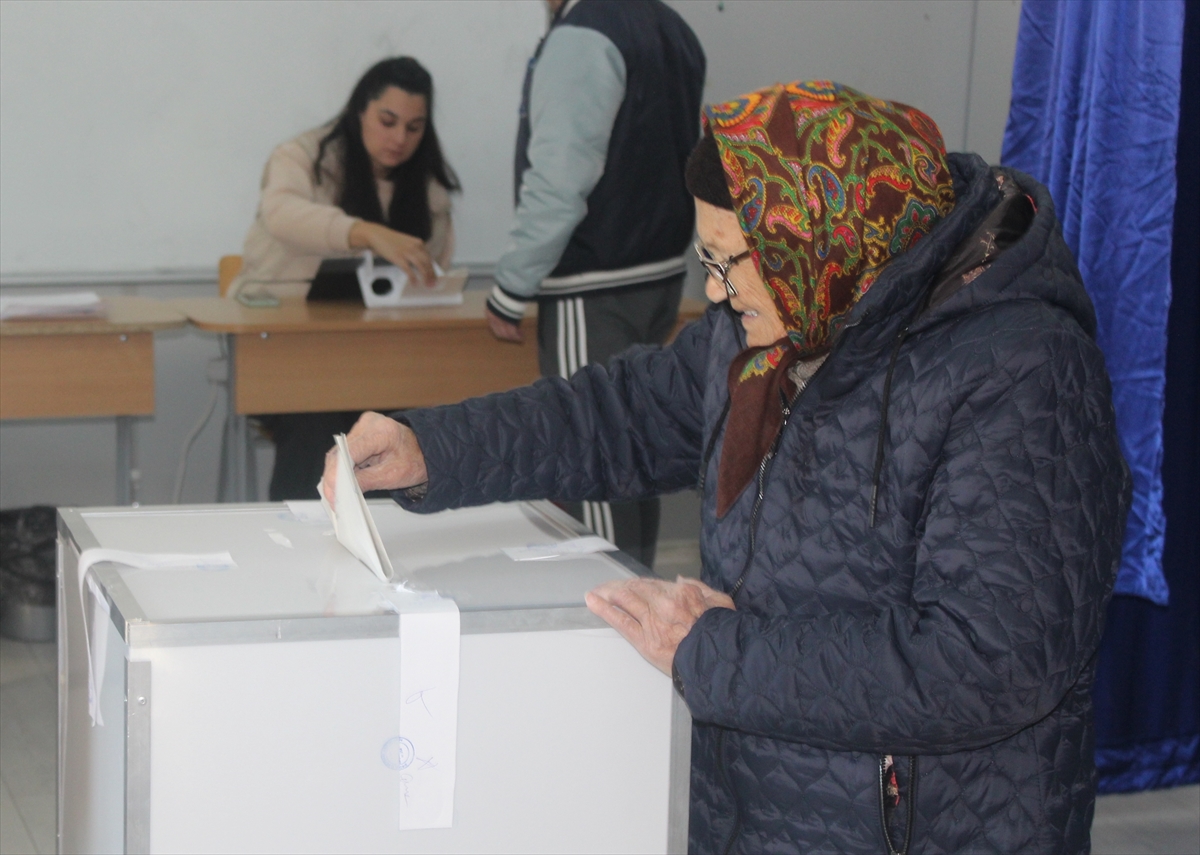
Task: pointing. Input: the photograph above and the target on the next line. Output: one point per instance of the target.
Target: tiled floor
(28, 734)
(1166, 822)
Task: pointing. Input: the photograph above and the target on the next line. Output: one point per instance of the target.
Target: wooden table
(81, 367)
(313, 357)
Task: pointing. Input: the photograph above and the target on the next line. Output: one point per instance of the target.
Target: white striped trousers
(572, 355)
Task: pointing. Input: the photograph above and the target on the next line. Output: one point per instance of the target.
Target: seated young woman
(373, 178)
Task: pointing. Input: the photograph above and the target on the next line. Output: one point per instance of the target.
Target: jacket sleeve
(1015, 557)
(578, 86)
(289, 211)
(623, 432)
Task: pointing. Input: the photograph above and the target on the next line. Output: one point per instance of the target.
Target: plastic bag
(27, 554)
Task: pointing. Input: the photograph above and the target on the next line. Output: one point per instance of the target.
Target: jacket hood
(1024, 271)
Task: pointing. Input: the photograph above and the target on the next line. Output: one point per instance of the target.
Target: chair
(227, 270)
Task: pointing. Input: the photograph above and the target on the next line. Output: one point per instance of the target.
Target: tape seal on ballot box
(96, 639)
(423, 752)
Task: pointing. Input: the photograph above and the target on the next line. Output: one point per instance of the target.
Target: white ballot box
(272, 700)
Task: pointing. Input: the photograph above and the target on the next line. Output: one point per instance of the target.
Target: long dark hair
(409, 209)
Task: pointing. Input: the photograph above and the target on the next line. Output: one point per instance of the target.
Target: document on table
(76, 304)
(447, 291)
(352, 522)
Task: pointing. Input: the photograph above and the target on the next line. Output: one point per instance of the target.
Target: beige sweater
(299, 222)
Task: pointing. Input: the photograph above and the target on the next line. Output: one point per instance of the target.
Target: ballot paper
(446, 291)
(96, 639)
(352, 522)
(78, 304)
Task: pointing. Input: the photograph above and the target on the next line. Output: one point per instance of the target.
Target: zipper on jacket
(912, 803)
(712, 444)
(763, 468)
(883, 420)
(737, 586)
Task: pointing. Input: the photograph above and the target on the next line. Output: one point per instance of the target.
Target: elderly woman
(913, 498)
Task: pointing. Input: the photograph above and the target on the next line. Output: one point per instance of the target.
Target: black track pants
(592, 328)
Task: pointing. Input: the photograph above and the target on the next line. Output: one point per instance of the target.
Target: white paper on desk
(352, 521)
(77, 304)
(446, 291)
(95, 640)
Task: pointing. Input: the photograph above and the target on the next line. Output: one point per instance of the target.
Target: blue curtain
(1148, 679)
(1148, 676)
(1094, 116)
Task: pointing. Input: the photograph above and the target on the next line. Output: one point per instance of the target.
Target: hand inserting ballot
(386, 456)
(655, 615)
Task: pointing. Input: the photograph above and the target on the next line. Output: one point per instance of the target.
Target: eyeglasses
(720, 269)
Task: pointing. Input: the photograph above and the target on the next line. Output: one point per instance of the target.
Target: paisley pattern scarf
(829, 185)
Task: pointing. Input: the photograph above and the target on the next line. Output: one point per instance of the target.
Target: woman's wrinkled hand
(654, 615)
(386, 456)
(405, 251)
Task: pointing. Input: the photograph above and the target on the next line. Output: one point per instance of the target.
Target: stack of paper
(448, 291)
(80, 304)
(386, 286)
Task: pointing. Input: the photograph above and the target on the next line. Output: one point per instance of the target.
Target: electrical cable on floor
(216, 378)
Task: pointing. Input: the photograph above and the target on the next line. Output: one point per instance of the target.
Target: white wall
(134, 133)
(951, 58)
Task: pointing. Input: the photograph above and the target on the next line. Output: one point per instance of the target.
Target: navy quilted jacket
(956, 633)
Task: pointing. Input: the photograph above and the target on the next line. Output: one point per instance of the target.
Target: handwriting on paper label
(429, 651)
(397, 753)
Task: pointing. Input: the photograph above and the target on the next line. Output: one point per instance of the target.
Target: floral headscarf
(829, 185)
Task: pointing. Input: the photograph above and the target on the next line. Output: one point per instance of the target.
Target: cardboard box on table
(245, 710)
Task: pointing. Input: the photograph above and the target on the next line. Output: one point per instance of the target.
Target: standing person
(913, 495)
(608, 117)
(373, 178)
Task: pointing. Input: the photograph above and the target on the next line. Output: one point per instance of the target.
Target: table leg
(236, 454)
(125, 460)
(251, 462)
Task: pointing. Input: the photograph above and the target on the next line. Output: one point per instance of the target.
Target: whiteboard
(133, 134)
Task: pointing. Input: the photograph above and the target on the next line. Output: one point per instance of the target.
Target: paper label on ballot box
(424, 752)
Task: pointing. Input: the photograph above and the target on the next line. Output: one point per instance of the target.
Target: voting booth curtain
(1104, 95)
